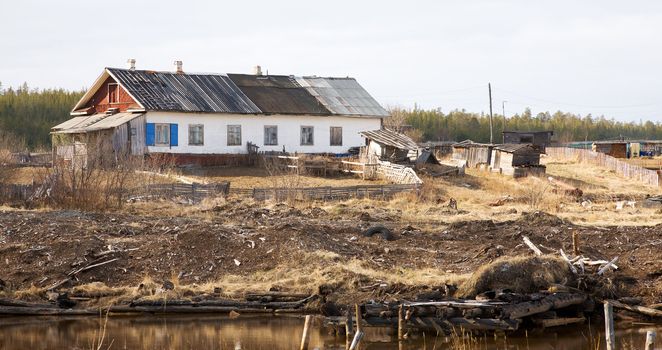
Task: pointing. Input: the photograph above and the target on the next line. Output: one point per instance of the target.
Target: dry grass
(309, 272)
(251, 177)
(521, 274)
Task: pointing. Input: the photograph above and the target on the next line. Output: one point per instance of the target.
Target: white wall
(252, 130)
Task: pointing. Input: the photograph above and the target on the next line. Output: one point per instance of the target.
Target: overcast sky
(599, 57)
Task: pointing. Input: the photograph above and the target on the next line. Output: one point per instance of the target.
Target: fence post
(609, 326)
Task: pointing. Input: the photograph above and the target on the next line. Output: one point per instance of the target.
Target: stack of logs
(538, 310)
(265, 303)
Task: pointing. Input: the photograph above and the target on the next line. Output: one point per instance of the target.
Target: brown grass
(521, 274)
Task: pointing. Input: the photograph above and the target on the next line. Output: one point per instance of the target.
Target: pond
(272, 333)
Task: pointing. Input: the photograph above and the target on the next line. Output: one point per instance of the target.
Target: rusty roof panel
(278, 94)
(169, 91)
(343, 96)
(94, 123)
(391, 138)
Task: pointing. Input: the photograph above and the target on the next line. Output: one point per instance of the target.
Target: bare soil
(255, 242)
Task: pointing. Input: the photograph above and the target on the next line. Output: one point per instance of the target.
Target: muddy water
(248, 333)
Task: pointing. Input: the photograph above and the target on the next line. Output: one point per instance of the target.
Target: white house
(194, 116)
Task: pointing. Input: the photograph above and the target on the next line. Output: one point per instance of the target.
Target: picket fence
(635, 172)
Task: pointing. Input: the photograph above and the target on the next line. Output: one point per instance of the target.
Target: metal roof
(169, 91)
(391, 138)
(278, 94)
(528, 132)
(514, 147)
(94, 123)
(79, 122)
(343, 96)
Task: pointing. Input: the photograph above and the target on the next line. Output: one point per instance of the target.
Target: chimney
(131, 63)
(179, 70)
(257, 70)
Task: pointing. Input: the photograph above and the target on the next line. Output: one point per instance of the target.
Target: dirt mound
(521, 274)
(540, 218)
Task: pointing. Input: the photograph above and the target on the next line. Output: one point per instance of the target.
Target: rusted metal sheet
(391, 138)
(278, 94)
(343, 96)
(169, 91)
(95, 122)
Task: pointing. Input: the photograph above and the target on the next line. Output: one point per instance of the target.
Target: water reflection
(253, 333)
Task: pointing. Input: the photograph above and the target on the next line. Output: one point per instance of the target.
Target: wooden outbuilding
(474, 154)
(516, 160)
(539, 139)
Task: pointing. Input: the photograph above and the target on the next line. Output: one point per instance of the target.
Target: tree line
(29, 114)
(459, 125)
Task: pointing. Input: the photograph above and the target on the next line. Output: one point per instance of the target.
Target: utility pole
(489, 87)
(503, 110)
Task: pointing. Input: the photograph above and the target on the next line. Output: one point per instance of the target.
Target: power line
(575, 104)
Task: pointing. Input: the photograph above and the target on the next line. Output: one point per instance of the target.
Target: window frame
(157, 140)
(272, 143)
(201, 142)
(228, 135)
(312, 135)
(331, 143)
(116, 94)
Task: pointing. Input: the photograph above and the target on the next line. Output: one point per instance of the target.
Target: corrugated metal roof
(79, 122)
(278, 94)
(512, 147)
(169, 91)
(343, 96)
(94, 123)
(391, 138)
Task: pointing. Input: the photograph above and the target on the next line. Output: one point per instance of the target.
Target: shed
(390, 145)
(509, 158)
(473, 153)
(539, 139)
(616, 149)
(110, 135)
(441, 149)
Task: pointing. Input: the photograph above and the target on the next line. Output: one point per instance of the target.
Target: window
(270, 135)
(113, 92)
(196, 135)
(162, 134)
(234, 135)
(336, 136)
(306, 135)
(134, 132)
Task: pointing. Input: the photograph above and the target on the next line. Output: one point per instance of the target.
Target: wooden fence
(399, 174)
(193, 192)
(646, 176)
(326, 193)
(15, 193)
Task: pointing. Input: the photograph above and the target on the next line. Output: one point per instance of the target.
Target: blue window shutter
(173, 135)
(149, 134)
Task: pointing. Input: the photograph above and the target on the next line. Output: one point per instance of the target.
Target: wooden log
(650, 340)
(554, 301)
(607, 266)
(485, 324)
(357, 340)
(609, 326)
(349, 329)
(357, 308)
(555, 322)
(21, 303)
(533, 247)
(635, 308)
(575, 243)
(401, 323)
(305, 337)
